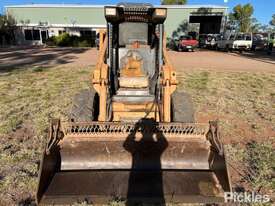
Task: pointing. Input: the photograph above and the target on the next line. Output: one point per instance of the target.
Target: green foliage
(84, 43)
(243, 16)
(173, 2)
(62, 40)
(255, 25)
(65, 40)
(272, 22)
(7, 24)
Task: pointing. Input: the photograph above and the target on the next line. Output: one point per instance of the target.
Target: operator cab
(135, 33)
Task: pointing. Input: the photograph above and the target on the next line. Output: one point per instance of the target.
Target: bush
(84, 43)
(65, 40)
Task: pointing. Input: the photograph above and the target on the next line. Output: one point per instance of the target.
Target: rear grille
(137, 14)
(136, 17)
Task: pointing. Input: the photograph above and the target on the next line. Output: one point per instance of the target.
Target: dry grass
(29, 98)
(244, 103)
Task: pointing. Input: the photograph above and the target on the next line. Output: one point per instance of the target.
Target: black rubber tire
(85, 106)
(182, 108)
(253, 48)
(227, 48)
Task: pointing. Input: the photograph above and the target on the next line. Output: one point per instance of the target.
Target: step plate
(133, 92)
(134, 98)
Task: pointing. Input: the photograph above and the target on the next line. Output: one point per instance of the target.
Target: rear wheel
(85, 106)
(182, 108)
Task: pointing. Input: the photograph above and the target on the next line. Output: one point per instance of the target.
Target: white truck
(240, 42)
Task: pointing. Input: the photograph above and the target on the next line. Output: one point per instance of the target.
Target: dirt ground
(38, 84)
(222, 61)
(184, 61)
(13, 58)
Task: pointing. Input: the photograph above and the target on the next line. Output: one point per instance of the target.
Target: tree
(243, 16)
(175, 2)
(6, 22)
(255, 25)
(7, 26)
(272, 22)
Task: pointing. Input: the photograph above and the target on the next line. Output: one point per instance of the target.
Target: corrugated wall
(62, 15)
(91, 16)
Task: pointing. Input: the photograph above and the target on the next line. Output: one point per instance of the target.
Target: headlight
(160, 12)
(110, 11)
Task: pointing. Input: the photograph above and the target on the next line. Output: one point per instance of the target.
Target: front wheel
(182, 109)
(85, 106)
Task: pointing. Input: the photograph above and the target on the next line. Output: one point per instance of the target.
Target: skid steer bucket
(148, 162)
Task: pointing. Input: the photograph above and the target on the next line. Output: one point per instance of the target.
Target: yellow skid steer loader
(133, 137)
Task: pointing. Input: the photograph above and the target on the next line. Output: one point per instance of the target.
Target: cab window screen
(130, 32)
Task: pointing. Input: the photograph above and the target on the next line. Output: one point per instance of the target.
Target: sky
(263, 8)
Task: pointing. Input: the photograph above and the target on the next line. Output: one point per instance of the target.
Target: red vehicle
(187, 43)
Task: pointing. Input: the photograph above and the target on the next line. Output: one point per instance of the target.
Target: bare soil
(18, 57)
(223, 61)
(183, 61)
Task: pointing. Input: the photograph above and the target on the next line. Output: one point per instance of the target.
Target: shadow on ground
(145, 180)
(27, 202)
(260, 56)
(22, 57)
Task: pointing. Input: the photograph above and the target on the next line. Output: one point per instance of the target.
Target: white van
(240, 42)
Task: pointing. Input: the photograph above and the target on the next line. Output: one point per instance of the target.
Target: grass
(29, 98)
(244, 103)
(37, 95)
(198, 81)
(260, 163)
(255, 162)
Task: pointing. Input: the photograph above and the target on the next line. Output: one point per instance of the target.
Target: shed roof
(195, 6)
